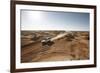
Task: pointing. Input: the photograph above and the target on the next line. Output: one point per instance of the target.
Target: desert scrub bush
(34, 37)
(86, 37)
(70, 37)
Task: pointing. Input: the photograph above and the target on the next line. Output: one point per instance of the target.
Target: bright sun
(37, 15)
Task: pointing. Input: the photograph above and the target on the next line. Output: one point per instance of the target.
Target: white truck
(48, 41)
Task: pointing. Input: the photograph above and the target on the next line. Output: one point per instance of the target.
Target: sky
(52, 20)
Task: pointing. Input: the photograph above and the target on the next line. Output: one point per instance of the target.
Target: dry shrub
(70, 37)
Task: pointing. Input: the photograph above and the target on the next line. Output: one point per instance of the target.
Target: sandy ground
(62, 49)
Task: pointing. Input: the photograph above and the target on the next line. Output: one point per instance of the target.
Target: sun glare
(37, 15)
